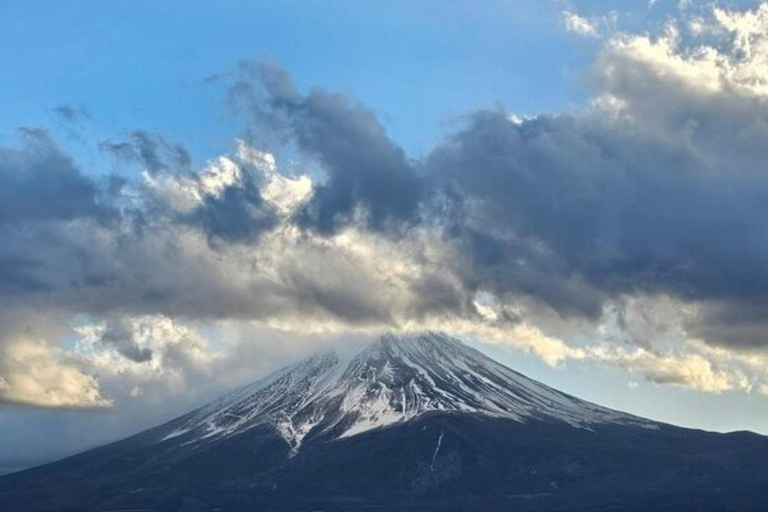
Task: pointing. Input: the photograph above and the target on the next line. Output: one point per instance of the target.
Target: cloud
(657, 189)
(632, 233)
(238, 213)
(32, 372)
(692, 371)
(71, 113)
(33, 376)
(579, 25)
(225, 199)
(41, 183)
(150, 150)
(149, 356)
(118, 334)
(367, 174)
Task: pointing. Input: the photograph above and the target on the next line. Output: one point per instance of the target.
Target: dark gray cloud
(437, 295)
(120, 335)
(741, 324)
(238, 214)
(150, 150)
(213, 78)
(71, 113)
(573, 210)
(40, 183)
(365, 169)
(83, 244)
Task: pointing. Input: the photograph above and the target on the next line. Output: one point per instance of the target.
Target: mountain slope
(409, 423)
(391, 381)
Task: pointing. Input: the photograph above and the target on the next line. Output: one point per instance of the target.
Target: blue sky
(420, 65)
(640, 306)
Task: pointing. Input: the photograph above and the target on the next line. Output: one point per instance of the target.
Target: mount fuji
(412, 423)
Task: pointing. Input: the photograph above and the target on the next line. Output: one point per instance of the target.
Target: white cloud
(579, 24)
(34, 375)
(733, 63)
(692, 371)
(285, 193)
(183, 193)
(178, 354)
(35, 370)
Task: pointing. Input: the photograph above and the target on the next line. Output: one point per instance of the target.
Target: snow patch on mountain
(393, 380)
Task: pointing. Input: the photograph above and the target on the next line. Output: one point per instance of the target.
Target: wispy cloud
(579, 25)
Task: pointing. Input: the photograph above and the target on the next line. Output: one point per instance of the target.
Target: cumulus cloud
(148, 356)
(34, 372)
(32, 375)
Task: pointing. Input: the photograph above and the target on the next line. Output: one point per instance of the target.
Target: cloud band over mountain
(633, 233)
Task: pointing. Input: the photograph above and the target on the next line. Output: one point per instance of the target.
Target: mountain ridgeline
(412, 423)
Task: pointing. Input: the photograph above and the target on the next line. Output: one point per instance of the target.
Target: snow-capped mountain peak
(395, 379)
